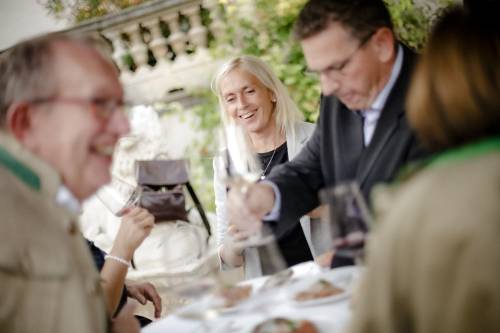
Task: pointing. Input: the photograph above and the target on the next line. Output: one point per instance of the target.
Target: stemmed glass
(348, 218)
(197, 291)
(239, 168)
(119, 195)
(237, 164)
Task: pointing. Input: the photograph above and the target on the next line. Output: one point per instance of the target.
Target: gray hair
(26, 69)
(286, 111)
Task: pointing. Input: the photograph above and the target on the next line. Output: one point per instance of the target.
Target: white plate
(322, 300)
(239, 305)
(229, 310)
(343, 277)
(323, 325)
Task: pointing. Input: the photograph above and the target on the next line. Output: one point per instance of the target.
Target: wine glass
(119, 195)
(349, 220)
(196, 290)
(239, 168)
(183, 246)
(237, 163)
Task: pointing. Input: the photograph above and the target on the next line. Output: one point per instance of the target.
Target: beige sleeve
(434, 264)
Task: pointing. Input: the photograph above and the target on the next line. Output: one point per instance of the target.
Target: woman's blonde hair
(285, 112)
(455, 93)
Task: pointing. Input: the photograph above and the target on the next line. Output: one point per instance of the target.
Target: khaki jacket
(48, 280)
(434, 261)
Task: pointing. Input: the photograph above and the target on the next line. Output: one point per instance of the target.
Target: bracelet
(115, 258)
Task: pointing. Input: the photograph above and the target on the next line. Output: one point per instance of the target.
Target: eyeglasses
(338, 69)
(102, 108)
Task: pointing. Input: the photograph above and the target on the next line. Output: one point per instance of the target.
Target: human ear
(19, 120)
(383, 43)
(272, 95)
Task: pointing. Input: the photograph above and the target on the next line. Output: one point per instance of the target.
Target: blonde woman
(253, 99)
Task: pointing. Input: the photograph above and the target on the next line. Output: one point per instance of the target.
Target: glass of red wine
(348, 219)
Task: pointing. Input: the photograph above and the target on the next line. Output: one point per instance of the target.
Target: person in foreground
(362, 133)
(433, 264)
(252, 98)
(60, 117)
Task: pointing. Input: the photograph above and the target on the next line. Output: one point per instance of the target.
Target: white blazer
(253, 269)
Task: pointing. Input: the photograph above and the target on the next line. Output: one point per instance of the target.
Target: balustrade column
(138, 49)
(217, 25)
(197, 33)
(177, 38)
(158, 44)
(119, 48)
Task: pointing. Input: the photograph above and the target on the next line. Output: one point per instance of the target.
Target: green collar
(466, 152)
(461, 153)
(21, 171)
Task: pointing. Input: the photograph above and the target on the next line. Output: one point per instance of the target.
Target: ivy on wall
(263, 28)
(82, 10)
(413, 22)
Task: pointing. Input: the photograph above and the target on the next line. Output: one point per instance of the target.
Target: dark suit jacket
(325, 160)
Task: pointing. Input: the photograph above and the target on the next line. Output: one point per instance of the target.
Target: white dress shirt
(67, 200)
(372, 114)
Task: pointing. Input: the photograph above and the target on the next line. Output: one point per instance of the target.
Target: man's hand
(230, 253)
(318, 212)
(248, 204)
(144, 292)
(125, 322)
(325, 259)
(135, 226)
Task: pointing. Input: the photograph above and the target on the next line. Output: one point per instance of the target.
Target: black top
(292, 244)
(98, 256)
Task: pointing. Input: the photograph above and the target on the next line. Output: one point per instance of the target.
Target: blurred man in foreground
(434, 261)
(60, 117)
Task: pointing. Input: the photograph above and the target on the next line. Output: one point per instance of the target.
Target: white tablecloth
(331, 316)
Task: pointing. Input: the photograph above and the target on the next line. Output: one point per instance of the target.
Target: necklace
(263, 174)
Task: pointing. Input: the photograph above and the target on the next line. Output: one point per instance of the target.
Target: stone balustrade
(161, 45)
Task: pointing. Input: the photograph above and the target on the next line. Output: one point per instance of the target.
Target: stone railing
(161, 46)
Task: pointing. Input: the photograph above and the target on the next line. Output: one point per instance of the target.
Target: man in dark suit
(362, 133)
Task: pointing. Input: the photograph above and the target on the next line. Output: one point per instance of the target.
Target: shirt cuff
(274, 214)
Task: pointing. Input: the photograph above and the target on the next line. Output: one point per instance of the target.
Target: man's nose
(329, 86)
(119, 123)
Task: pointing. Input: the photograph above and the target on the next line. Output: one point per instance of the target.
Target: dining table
(267, 301)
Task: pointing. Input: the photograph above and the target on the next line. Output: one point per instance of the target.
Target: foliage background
(77, 11)
(261, 28)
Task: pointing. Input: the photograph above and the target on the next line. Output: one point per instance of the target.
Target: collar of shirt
(67, 200)
(372, 114)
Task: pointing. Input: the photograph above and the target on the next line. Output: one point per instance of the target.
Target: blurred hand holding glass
(118, 196)
(348, 220)
(241, 169)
